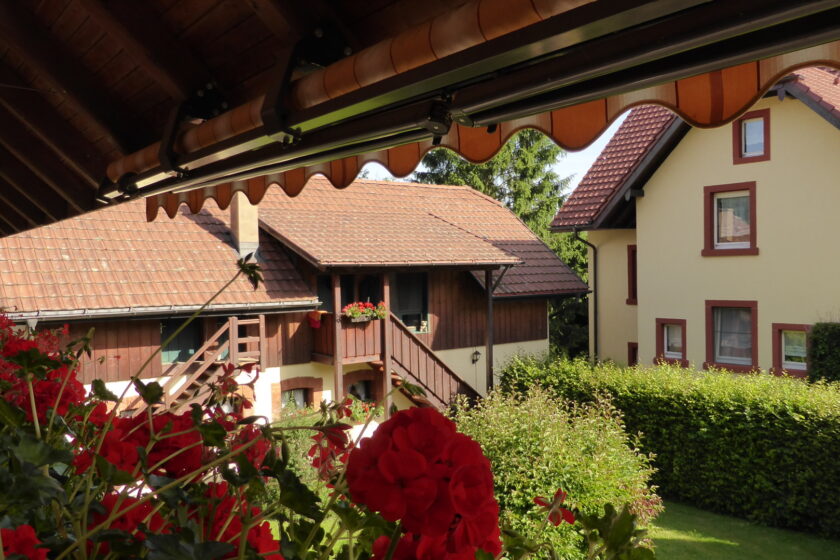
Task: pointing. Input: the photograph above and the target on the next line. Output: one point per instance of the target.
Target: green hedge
(824, 352)
(761, 447)
(536, 444)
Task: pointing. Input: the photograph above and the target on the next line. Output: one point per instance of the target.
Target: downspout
(594, 284)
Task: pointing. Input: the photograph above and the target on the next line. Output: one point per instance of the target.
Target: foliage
(755, 446)
(365, 309)
(824, 352)
(537, 444)
(522, 177)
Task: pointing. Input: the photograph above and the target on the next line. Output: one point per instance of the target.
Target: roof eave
(804, 94)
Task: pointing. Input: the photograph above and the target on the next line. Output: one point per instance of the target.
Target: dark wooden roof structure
(106, 100)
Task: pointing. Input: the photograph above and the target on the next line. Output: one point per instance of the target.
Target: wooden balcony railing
(362, 342)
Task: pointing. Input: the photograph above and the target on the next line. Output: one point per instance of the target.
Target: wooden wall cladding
(119, 349)
(457, 314)
(288, 339)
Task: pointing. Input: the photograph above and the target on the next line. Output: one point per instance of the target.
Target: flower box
(360, 311)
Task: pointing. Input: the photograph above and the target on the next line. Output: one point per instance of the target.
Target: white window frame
(728, 244)
(718, 357)
(797, 366)
(664, 334)
(744, 152)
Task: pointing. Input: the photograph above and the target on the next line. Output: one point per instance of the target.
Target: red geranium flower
(556, 515)
(22, 540)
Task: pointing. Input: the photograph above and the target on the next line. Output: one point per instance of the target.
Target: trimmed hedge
(761, 447)
(537, 444)
(824, 352)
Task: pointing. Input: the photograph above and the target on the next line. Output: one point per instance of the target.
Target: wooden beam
(338, 344)
(24, 34)
(17, 211)
(282, 18)
(30, 187)
(387, 345)
(488, 333)
(21, 143)
(50, 127)
(142, 36)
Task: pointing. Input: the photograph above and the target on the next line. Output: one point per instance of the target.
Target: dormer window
(751, 137)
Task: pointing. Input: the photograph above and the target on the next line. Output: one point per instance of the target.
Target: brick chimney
(244, 224)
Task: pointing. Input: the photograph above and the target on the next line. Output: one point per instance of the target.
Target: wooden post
(233, 340)
(262, 348)
(338, 345)
(387, 345)
(488, 334)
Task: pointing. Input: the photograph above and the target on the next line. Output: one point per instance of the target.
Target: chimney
(244, 224)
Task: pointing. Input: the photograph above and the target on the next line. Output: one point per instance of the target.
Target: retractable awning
(147, 87)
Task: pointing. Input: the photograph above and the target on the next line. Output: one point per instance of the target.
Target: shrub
(756, 446)
(824, 352)
(538, 444)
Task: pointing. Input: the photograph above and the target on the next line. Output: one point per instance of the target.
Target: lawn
(686, 533)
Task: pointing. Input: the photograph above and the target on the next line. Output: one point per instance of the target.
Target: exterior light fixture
(476, 356)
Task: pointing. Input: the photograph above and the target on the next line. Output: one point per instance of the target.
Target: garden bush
(824, 352)
(538, 444)
(761, 447)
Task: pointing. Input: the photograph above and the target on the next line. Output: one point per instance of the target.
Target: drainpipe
(594, 284)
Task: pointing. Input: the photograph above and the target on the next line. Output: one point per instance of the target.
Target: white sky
(574, 163)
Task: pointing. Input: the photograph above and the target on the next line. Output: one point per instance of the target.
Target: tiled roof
(112, 259)
(636, 135)
(383, 223)
(823, 86)
(639, 133)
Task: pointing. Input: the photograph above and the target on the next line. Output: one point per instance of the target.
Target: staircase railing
(412, 359)
(188, 373)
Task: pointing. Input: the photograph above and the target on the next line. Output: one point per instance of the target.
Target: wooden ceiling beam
(18, 212)
(283, 19)
(30, 187)
(25, 146)
(51, 128)
(24, 34)
(140, 34)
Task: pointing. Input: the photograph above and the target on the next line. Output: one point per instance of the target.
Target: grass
(686, 533)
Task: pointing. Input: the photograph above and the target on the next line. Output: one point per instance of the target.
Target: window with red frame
(729, 215)
(731, 334)
(751, 137)
(790, 349)
(670, 341)
(632, 275)
(632, 353)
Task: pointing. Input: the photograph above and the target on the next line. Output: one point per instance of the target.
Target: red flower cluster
(556, 514)
(365, 309)
(127, 521)
(419, 469)
(23, 541)
(222, 518)
(330, 447)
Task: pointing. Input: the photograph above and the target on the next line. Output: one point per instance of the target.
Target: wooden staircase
(190, 382)
(413, 361)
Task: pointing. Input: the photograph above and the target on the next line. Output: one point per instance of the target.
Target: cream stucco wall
(617, 324)
(794, 277)
(459, 360)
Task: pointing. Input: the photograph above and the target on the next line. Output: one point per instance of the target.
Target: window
(790, 349)
(297, 398)
(362, 390)
(632, 275)
(353, 288)
(410, 300)
(731, 335)
(729, 216)
(184, 345)
(751, 137)
(670, 341)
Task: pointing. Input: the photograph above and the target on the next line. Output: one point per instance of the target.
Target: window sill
(738, 159)
(796, 373)
(729, 252)
(730, 367)
(632, 301)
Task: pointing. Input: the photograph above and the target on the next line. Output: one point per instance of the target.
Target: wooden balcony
(361, 342)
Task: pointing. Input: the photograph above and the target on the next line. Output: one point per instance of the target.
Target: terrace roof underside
(102, 101)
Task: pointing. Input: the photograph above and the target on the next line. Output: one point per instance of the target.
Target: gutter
(121, 312)
(594, 291)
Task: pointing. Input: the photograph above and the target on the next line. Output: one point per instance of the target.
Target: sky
(574, 163)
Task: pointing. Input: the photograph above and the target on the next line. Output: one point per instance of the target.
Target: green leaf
(10, 415)
(110, 473)
(297, 496)
(213, 433)
(38, 453)
(101, 392)
(151, 393)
